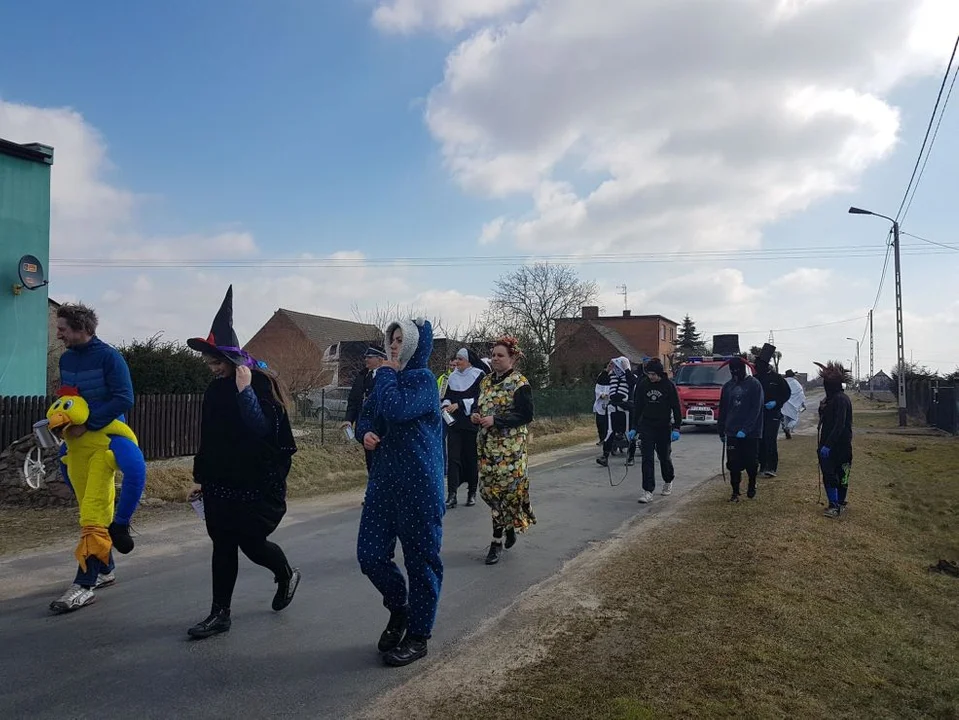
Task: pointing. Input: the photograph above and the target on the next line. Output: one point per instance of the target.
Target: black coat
(775, 388)
(361, 389)
(243, 473)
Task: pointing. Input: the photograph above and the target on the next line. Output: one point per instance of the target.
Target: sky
(336, 140)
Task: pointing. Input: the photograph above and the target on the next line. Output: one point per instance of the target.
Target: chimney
(627, 313)
(590, 312)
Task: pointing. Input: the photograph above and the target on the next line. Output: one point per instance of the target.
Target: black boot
(395, 628)
(603, 460)
(285, 589)
(451, 500)
(217, 622)
(495, 552)
(510, 538)
(471, 499)
(411, 649)
(120, 535)
(735, 496)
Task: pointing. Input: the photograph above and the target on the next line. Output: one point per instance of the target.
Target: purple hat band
(248, 360)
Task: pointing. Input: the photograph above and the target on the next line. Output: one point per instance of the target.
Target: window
(662, 333)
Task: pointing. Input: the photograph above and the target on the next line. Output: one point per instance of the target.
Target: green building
(24, 230)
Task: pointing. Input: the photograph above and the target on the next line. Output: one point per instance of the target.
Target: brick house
(585, 344)
(295, 344)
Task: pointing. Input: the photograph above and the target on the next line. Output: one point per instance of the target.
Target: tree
(527, 302)
(158, 367)
(688, 342)
(756, 350)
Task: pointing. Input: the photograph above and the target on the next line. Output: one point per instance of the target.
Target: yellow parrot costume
(90, 464)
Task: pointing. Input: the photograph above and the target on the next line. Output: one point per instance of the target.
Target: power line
(931, 242)
(803, 327)
(932, 118)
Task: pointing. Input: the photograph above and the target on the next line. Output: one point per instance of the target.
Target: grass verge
(765, 608)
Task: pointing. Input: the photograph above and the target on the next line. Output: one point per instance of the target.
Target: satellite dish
(31, 272)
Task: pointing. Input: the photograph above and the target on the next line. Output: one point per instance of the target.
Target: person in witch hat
(245, 453)
(776, 393)
(740, 426)
(835, 436)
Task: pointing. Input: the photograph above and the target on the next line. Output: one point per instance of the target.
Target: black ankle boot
(217, 622)
(411, 649)
(395, 628)
(470, 499)
(603, 460)
(451, 500)
(285, 589)
(495, 552)
(510, 538)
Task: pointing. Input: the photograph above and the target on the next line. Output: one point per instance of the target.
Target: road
(128, 654)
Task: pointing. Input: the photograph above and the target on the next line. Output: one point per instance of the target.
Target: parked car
(326, 404)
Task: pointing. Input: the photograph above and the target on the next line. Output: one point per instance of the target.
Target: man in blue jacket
(741, 426)
(102, 378)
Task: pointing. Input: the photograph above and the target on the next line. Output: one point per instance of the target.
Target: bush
(159, 367)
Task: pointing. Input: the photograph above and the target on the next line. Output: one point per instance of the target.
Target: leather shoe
(510, 538)
(395, 628)
(411, 649)
(495, 551)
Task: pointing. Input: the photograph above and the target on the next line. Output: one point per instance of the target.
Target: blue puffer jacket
(404, 411)
(101, 376)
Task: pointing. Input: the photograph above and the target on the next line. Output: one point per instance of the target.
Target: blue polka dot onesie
(404, 496)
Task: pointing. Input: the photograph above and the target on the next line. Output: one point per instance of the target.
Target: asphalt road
(128, 654)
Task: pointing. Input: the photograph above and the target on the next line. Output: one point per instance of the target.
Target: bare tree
(302, 369)
(528, 301)
(382, 315)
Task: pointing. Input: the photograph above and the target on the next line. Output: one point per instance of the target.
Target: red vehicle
(699, 382)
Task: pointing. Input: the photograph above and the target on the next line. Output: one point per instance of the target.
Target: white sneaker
(74, 598)
(646, 497)
(667, 488)
(105, 580)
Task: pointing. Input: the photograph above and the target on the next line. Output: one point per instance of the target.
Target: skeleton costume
(619, 409)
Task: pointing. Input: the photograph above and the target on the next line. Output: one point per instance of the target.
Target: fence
(166, 425)
(937, 404)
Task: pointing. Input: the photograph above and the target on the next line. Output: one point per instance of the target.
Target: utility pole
(900, 345)
(872, 374)
(625, 295)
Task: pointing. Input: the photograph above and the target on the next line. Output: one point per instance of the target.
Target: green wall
(24, 230)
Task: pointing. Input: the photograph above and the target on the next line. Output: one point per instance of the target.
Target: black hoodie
(835, 423)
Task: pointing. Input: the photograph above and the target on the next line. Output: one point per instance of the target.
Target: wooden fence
(166, 425)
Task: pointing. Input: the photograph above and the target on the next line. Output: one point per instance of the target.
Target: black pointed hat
(222, 340)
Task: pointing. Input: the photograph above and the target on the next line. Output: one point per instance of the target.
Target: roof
(579, 318)
(621, 344)
(322, 331)
(31, 151)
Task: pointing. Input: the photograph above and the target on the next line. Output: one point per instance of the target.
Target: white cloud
(804, 281)
(690, 119)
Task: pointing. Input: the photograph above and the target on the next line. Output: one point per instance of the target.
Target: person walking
(246, 449)
(401, 426)
(462, 395)
(740, 426)
(658, 418)
(795, 406)
(835, 437)
(776, 393)
(503, 416)
(619, 410)
(601, 402)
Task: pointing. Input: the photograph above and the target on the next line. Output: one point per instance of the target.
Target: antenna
(771, 340)
(625, 294)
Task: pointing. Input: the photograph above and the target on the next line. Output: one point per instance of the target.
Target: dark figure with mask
(741, 426)
(776, 393)
(835, 437)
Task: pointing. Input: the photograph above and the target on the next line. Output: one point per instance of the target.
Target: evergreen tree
(688, 342)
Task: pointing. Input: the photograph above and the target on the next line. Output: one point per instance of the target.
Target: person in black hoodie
(657, 420)
(776, 393)
(462, 395)
(741, 426)
(245, 454)
(835, 437)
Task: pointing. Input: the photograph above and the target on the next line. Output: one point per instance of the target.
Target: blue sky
(305, 126)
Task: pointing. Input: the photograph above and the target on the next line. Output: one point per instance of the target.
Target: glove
(740, 434)
(771, 404)
(120, 535)
(631, 435)
(824, 452)
(675, 436)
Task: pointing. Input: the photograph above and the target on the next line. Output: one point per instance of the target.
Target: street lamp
(900, 345)
(858, 375)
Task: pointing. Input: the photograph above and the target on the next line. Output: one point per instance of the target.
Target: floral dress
(503, 449)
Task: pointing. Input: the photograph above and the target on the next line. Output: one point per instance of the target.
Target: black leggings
(226, 564)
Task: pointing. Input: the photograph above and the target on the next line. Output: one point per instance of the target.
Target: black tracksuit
(656, 415)
(775, 388)
(835, 432)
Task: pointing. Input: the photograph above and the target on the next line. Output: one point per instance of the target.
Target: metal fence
(934, 402)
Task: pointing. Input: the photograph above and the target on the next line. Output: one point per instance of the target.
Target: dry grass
(767, 609)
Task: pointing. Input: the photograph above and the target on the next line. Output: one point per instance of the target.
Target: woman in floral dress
(504, 413)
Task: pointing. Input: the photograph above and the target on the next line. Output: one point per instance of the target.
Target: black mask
(738, 369)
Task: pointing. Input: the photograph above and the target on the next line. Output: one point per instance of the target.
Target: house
(24, 231)
(585, 344)
(880, 382)
(296, 346)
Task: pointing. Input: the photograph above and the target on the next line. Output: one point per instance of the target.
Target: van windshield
(709, 375)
